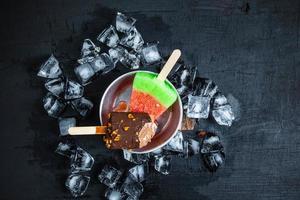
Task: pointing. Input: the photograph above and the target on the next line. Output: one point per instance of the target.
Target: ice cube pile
(121, 45)
(81, 162)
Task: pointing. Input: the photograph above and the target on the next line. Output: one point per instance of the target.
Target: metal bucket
(168, 123)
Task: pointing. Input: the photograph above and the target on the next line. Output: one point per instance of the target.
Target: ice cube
(132, 39)
(113, 194)
(156, 153)
(81, 161)
(211, 144)
(124, 23)
(176, 143)
(89, 49)
(213, 160)
(50, 69)
(150, 54)
(53, 106)
(117, 53)
(65, 149)
(219, 100)
(65, 124)
(82, 105)
(55, 86)
(102, 63)
(77, 184)
(131, 198)
(138, 172)
(198, 106)
(162, 164)
(235, 106)
(223, 115)
(132, 187)
(131, 60)
(109, 176)
(73, 90)
(84, 73)
(185, 151)
(135, 158)
(109, 37)
(193, 147)
(87, 59)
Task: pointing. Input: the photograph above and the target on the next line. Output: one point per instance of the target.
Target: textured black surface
(249, 49)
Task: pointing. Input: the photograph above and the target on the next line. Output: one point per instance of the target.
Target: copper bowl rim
(179, 101)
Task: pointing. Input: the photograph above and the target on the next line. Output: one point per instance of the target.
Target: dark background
(249, 50)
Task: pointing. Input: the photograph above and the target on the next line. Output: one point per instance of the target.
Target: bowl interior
(168, 123)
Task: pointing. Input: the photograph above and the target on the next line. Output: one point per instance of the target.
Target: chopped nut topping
(133, 119)
(117, 138)
(130, 116)
(126, 128)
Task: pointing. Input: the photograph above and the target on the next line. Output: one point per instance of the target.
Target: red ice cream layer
(143, 102)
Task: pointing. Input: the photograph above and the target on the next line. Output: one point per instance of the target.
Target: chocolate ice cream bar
(124, 130)
(129, 130)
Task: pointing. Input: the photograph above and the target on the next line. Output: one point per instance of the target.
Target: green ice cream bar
(162, 91)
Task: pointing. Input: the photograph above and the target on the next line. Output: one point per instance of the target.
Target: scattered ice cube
(89, 49)
(65, 149)
(212, 152)
(55, 86)
(156, 153)
(84, 73)
(132, 187)
(220, 100)
(235, 105)
(176, 143)
(163, 164)
(117, 53)
(82, 105)
(52, 105)
(81, 161)
(132, 39)
(109, 37)
(185, 151)
(223, 115)
(198, 106)
(102, 63)
(210, 89)
(193, 146)
(131, 60)
(77, 184)
(211, 144)
(150, 54)
(113, 194)
(131, 198)
(87, 59)
(73, 90)
(213, 161)
(135, 158)
(109, 176)
(138, 172)
(50, 69)
(65, 124)
(124, 23)
(211, 140)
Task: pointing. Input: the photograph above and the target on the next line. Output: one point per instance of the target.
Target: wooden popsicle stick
(169, 65)
(87, 130)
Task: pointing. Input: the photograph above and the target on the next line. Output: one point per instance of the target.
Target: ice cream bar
(124, 130)
(151, 93)
(129, 130)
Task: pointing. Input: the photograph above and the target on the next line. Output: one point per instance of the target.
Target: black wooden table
(250, 49)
